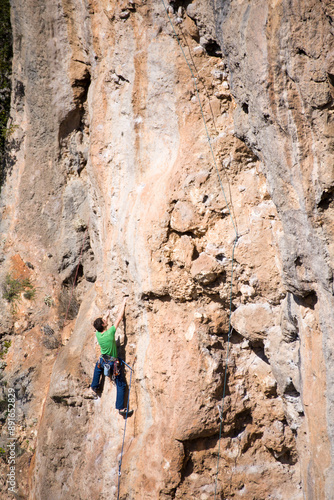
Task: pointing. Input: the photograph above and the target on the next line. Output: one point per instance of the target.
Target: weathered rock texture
(112, 190)
(281, 58)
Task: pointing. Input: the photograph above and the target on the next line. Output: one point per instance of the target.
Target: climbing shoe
(124, 414)
(97, 393)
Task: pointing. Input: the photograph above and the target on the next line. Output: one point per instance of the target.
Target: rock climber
(109, 363)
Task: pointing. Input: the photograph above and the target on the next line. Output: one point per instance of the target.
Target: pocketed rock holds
(253, 321)
(124, 14)
(184, 218)
(206, 269)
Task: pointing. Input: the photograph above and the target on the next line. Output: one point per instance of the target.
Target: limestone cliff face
(281, 58)
(111, 189)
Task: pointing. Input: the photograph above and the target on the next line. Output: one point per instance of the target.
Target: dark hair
(99, 325)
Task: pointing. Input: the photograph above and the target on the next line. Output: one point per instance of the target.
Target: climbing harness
(126, 419)
(230, 329)
(111, 366)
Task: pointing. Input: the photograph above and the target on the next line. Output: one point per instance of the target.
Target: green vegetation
(13, 287)
(6, 53)
(48, 300)
(4, 348)
(8, 131)
(30, 293)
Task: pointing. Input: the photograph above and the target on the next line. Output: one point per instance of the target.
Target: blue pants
(119, 380)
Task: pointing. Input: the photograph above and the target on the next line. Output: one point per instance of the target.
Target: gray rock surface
(112, 190)
(280, 59)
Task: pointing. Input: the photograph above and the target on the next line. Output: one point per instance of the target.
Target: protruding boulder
(185, 218)
(183, 251)
(206, 269)
(253, 321)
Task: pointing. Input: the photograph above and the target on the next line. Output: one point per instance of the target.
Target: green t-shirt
(107, 342)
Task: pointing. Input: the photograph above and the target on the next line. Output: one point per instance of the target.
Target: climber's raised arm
(121, 314)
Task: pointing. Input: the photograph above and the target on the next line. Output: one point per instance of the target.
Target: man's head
(100, 325)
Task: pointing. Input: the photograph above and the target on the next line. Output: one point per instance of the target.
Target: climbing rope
(203, 117)
(126, 419)
(230, 329)
(226, 366)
